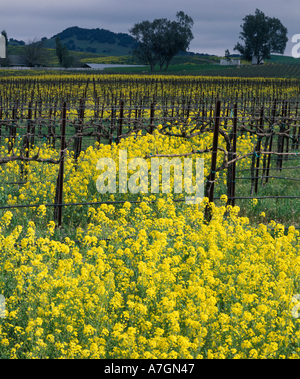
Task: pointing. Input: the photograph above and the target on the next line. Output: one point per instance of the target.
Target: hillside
(105, 47)
(99, 41)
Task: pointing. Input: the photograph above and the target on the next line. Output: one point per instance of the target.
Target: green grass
(276, 67)
(282, 59)
(264, 71)
(285, 182)
(285, 211)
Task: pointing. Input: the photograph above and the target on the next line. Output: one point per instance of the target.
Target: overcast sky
(216, 22)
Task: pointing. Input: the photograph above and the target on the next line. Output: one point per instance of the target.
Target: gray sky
(216, 22)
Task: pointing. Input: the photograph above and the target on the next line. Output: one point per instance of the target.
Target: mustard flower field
(140, 276)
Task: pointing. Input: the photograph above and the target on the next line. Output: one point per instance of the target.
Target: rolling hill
(99, 41)
(106, 47)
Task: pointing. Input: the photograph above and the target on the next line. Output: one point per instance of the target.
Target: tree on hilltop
(262, 35)
(160, 40)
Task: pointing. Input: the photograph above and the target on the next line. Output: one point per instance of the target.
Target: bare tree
(35, 53)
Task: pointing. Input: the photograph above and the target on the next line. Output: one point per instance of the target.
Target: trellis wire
(255, 124)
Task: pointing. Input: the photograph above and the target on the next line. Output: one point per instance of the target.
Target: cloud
(216, 23)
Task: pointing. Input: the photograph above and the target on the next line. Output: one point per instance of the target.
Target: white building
(2, 46)
(230, 62)
(254, 61)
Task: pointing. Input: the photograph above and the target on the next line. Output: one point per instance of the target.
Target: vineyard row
(275, 132)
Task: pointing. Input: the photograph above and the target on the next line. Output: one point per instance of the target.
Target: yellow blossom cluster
(151, 281)
(80, 176)
(141, 276)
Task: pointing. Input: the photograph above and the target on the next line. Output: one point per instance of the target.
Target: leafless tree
(35, 53)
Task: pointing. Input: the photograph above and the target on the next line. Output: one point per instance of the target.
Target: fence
(274, 125)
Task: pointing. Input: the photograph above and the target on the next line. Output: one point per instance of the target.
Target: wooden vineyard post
(60, 178)
(27, 140)
(188, 110)
(13, 130)
(295, 129)
(28, 128)
(54, 125)
(280, 144)
(33, 127)
(258, 149)
(39, 105)
(120, 126)
(232, 187)
(79, 129)
(271, 141)
(112, 124)
(287, 139)
(152, 109)
(81, 120)
(297, 137)
(211, 178)
(99, 128)
(1, 111)
(49, 126)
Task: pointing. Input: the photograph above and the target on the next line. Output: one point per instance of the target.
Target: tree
(5, 36)
(160, 40)
(65, 59)
(147, 35)
(177, 37)
(262, 35)
(35, 53)
(227, 55)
